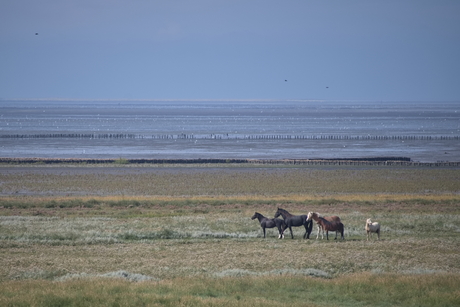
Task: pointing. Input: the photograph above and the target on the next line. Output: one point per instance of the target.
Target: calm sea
(422, 131)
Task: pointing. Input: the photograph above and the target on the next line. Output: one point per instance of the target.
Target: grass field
(183, 236)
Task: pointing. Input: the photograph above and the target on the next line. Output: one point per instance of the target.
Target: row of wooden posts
(230, 137)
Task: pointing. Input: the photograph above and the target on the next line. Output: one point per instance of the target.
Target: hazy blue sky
(139, 49)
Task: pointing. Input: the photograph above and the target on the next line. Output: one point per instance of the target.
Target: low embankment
(373, 161)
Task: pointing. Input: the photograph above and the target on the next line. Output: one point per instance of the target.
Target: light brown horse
(331, 219)
(328, 223)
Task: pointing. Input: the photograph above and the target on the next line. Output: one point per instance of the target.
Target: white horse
(371, 228)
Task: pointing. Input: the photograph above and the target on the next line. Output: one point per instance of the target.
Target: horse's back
(269, 223)
(332, 225)
(333, 218)
(296, 220)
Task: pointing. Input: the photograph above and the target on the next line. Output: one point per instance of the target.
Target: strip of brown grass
(228, 182)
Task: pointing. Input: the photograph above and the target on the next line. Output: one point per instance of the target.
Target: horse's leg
(309, 229)
(306, 235)
(280, 232)
(264, 231)
(292, 235)
(327, 234)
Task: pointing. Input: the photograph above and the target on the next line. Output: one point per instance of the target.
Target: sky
(392, 50)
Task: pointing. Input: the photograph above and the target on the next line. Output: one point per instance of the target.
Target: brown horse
(329, 223)
(332, 219)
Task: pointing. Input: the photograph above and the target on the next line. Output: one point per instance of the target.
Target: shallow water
(426, 132)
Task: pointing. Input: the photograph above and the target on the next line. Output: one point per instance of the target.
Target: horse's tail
(309, 226)
(342, 229)
(283, 225)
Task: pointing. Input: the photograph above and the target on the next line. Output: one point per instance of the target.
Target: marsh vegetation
(184, 236)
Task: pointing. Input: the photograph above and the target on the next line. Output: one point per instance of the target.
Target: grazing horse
(328, 225)
(265, 222)
(295, 221)
(332, 219)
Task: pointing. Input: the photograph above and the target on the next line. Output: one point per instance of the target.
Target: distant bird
(36, 33)
(285, 80)
(327, 86)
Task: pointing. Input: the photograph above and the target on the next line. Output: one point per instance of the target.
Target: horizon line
(214, 100)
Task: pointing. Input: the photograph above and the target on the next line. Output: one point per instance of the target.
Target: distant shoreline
(372, 161)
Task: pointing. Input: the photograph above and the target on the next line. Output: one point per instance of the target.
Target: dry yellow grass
(350, 197)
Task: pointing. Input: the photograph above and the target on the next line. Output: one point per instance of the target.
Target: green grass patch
(355, 290)
(121, 161)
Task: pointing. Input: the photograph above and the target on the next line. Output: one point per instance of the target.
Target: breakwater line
(373, 161)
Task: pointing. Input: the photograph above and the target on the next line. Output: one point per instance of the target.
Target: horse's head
(368, 222)
(312, 215)
(254, 216)
(278, 213)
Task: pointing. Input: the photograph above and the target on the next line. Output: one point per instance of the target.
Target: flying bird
(36, 33)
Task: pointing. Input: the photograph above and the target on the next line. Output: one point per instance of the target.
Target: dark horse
(265, 222)
(295, 221)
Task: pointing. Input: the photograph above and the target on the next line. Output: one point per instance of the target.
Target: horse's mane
(283, 210)
(315, 215)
